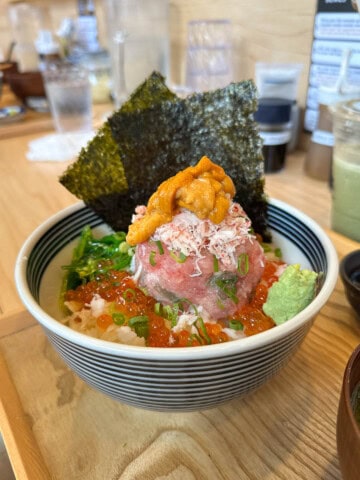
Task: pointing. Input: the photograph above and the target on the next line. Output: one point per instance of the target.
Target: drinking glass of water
(209, 54)
(68, 91)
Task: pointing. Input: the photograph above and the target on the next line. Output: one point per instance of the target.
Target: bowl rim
(246, 344)
(347, 392)
(343, 270)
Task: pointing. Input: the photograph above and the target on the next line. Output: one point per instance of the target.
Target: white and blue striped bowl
(170, 379)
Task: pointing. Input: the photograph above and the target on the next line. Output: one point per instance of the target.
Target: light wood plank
(15, 322)
(26, 458)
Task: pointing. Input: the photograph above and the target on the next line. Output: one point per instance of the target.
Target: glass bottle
(319, 155)
(86, 27)
(273, 118)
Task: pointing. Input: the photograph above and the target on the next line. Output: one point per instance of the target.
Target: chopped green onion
(236, 325)
(266, 247)
(196, 337)
(138, 319)
(180, 259)
(167, 309)
(157, 308)
(200, 325)
(243, 264)
(160, 247)
(220, 304)
(140, 324)
(183, 301)
(227, 284)
(118, 318)
(171, 313)
(129, 295)
(215, 263)
(152, 258)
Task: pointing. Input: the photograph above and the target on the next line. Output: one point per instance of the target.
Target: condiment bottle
(98, 66)
(47, 48)
(86, 27)
(273, 117)
(319, 155)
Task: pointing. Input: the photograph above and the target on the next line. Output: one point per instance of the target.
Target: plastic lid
(99, 59)
(273, 111)
(329, 96)
(349, 110)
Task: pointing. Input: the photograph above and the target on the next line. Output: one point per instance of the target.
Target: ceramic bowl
(350, 276)
(6, 68)
(175, 379)
(26, 85)
(348, 430)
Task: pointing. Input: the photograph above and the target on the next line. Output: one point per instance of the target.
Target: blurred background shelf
(36, 122)
(32, 122)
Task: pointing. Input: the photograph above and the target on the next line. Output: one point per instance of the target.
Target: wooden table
(55, 426)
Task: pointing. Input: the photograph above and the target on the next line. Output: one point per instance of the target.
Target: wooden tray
(56, 426)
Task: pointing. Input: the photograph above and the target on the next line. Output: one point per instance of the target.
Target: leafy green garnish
(140, 324)
(93, 256)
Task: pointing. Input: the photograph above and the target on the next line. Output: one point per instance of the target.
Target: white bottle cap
(45, 43)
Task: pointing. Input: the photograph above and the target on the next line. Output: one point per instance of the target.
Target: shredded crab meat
(188, 234)
(186, 320)
(97, 305)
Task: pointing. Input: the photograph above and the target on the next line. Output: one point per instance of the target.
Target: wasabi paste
(291, 294)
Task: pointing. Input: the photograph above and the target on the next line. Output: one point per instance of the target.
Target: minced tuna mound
(216, 266)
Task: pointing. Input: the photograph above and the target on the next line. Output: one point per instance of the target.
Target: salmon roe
(251, 316)
(118, 288)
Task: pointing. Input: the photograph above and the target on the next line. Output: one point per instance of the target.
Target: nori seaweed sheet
(99, 172)
(158, 134)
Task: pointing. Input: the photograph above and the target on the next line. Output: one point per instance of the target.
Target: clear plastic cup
(209, 54)
(68, 91)
(346, 169)
(138, 32)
